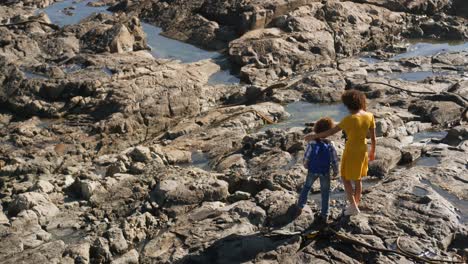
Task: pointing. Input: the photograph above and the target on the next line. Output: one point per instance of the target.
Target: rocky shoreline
(111, 153)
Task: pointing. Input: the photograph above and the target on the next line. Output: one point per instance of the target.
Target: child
(354, 163)
(319, 157)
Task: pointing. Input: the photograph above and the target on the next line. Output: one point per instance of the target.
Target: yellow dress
(354, 162)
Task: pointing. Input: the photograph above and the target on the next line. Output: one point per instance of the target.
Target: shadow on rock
(239, 248)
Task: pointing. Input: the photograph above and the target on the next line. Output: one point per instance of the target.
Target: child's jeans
(324, 191)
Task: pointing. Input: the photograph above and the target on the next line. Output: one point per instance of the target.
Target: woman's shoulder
(367, 114)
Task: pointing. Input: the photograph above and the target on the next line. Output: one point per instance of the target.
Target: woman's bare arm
(373, 144)
(310, 137)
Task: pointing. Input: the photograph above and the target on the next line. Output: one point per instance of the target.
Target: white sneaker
(351, 210)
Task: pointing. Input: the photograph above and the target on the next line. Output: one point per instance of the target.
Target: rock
(436, 112)
(69, 180)
(410, 154)
(389, 126)
(456, 135)
(79, 252)
(43, 186)
(279, 206)
(249, 209)
(238, 196)
(190, 188)
(37, 202)
(175, 156)
(141, 154)
(3, 217)
(119, 38)
(130, 257)
(99, 251)
(117, 241)
(137, 168)
(388, 154)
(233, 161)
(159, 246)
(427, 8)
(87, 188)
(118, 167)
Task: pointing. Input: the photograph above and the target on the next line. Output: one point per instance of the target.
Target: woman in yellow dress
(354, 162)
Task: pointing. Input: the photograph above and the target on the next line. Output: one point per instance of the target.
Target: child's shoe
(322, 221)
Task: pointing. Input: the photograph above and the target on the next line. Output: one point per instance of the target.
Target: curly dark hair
(354, 100)
(323, 124)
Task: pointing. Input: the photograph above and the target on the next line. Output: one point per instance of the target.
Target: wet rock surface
(111, 155)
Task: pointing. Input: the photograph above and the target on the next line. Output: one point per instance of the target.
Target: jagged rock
(160, 246)
(456, 135)
(3, 217)
(238, 196)
(99, 251)
(140, 153)
(118, 167)
(436, 112)
(388, 154)
(37, 202)
(79, 252)
(189, 188)
(279, 206)
(419, 7)
(175, 156)
(117, 240)
(122, 37)
(233, 161)
(390, 126)
(43, 186)
(130, 257)
(87, 188)
(410, 154)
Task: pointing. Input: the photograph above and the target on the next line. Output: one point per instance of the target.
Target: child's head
(354, 100)
(323, 124)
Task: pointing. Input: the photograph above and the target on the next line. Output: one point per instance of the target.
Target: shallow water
(304, 112)
(369, 60)
(460, 205)
(427, 162)
(199, 160)
(82, 10)
(163, 47)
(69, 68)
(425, 135)
(226, 75)
(415, 76)
(107, 71)
(426, 47)
(32, 75)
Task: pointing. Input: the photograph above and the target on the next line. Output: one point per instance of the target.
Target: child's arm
(310, 137)
(307, 155)
(334, 160)
(373, 143)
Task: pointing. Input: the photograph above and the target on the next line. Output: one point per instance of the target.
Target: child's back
(320, 155)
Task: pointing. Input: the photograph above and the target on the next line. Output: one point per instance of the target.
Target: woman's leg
(358, 192)
(349, 192)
